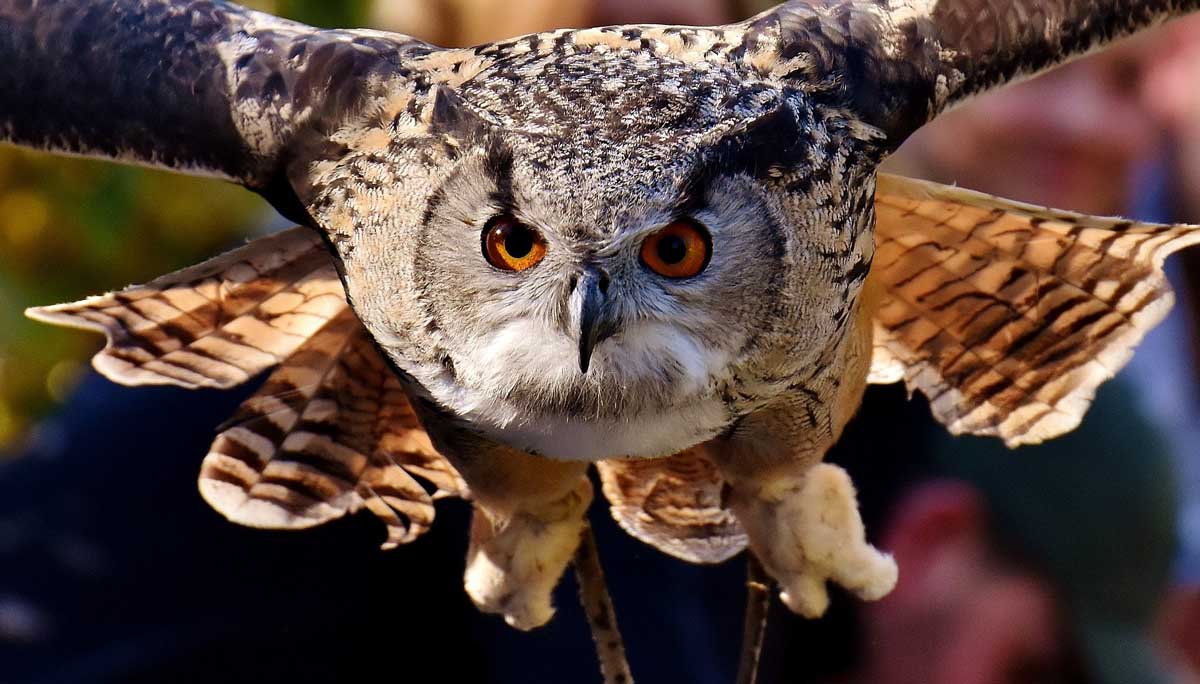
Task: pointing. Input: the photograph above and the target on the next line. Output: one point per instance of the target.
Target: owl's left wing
(674, 504)
(899, 63)
(1009, 316)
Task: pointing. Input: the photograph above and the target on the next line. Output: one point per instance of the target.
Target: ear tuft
(769, 141)
(452, 116)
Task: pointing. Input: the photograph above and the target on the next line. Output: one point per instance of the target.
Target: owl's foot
(810, 532)
(513, 564)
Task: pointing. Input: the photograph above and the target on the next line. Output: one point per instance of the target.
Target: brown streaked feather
(216, 324)
(1009, 316)
(673, 504)
(329, 433)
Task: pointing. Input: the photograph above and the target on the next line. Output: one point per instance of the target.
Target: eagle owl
(665, 250)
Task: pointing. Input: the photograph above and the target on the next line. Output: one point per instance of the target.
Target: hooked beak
(595, 323)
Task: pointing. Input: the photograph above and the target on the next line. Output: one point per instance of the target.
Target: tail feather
(674, 504)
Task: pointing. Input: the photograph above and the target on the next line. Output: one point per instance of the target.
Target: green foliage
(344, 14)
(70, 228)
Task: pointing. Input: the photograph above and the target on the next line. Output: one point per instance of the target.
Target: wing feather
(194, 86)
(900, 63)
(216, 324)
(1009, 316)
(329, 433)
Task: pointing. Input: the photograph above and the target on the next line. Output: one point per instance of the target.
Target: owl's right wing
(196, 86)
(331, 430)
(1009, 316)
(217, 324)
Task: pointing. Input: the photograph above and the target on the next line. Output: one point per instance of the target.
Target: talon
(806, 595)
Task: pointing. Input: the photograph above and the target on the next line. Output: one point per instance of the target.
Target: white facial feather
(530, 353)
(499, 351)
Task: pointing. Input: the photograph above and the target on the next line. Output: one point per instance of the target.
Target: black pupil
(672, 249)
(518, 240)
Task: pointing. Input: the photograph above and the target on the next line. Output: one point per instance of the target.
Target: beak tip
(593, 327)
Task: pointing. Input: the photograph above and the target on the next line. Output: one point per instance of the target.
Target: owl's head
(586, 256)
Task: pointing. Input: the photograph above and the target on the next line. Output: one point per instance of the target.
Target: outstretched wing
(198, 86)
(674, 504)
(329, 433)
(216, 324)
(899, 63)
(1009, 316)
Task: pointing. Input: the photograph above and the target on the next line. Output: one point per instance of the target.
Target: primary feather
(216, 324)
(1009, 316)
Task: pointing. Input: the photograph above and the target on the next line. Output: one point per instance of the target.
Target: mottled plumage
(730, 383)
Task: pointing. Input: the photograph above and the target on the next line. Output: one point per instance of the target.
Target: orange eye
(680, 250)
(510, 245)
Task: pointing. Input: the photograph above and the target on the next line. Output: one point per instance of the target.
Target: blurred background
(72, 227)
(1076, 561)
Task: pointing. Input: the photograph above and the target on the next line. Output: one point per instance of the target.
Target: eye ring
(510, 245)
(681, 249)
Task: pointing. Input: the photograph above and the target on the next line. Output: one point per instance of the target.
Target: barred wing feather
(329, 433)
(1009, 316)
(331, 430)
(216, 324)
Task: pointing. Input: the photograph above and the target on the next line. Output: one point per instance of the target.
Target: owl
(664, 250)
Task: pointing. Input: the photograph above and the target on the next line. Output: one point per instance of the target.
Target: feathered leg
(801, 515)
(806, 530)
(529, 515)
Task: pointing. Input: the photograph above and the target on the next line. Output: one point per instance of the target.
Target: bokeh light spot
(25, 216)
(62, 379)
